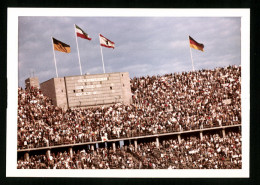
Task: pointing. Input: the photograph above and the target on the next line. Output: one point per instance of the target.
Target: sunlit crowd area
(171, 103)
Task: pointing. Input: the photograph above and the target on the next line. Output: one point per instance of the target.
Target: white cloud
(179, 44)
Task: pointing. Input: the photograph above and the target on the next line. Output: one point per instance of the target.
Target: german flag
(60, 46)
(195, 45)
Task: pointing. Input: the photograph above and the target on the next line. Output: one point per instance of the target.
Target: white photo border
(12, 97)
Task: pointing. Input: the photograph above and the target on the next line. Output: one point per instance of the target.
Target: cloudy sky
(143, 45)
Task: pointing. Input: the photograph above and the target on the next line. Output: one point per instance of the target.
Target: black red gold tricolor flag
(194, 44)
(60, 46)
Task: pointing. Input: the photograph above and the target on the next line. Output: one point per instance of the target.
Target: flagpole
(191, 58)
(78, 50)
(54, 57)
(102, 56)
(102, 60)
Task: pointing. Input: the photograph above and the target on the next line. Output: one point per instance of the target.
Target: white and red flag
(106, 42)
(81, 33)
(104, 138)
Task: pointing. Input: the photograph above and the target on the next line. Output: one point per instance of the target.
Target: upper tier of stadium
(160, 104)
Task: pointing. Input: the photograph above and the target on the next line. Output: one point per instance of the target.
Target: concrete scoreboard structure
(88, 90)
(32, 82)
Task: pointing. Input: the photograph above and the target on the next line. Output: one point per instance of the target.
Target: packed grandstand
(164, 107)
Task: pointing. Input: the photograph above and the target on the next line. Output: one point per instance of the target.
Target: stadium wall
(55, 89)
(32, 82)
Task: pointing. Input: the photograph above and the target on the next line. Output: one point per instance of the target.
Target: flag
(104, 138)
(60, 46)
(81, 33)
(195, 45)
(106, 42)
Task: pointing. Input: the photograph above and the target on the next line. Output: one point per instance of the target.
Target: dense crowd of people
(210, 152)
(161, 104)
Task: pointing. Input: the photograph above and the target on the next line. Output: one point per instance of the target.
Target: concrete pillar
(71, 152)
(135, 142)
(48, 154)
(157, 142)
(26, 156)
(114, 146)
(223, 133)
(179, 138)
(129, 141)
(121, 143)
(201, 135)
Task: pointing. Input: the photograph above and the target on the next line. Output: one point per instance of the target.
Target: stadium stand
(171, 103)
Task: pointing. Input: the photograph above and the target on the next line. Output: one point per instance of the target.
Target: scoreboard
(89, 90)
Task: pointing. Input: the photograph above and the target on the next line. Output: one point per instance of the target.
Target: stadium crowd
(161, 104)
(212, 152)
